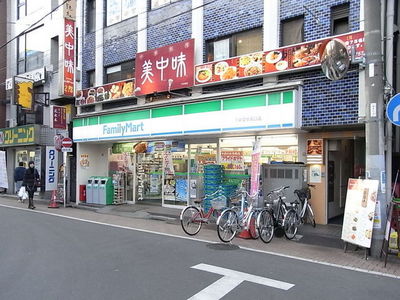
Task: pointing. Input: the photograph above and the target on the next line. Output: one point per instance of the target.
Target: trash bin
(106, 191)
(89, 190)
(82, 193)
(95, 190)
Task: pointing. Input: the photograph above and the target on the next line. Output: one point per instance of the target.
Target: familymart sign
(253, 113)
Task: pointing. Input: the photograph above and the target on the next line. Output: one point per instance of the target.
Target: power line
(33, 25)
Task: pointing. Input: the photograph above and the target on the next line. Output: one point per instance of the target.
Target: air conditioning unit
(11, 123)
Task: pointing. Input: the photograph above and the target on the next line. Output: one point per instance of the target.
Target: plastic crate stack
(213, 175)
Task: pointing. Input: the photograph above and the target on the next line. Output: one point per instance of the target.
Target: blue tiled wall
(320, 9)
(88, 57)
(120, 42)
(169, 24)
(326, 102)
(224, 17)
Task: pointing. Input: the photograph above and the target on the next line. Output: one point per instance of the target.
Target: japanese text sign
(21, 135)
(291, 58)
(70, 10)
(51, 168)
(166, 68)
(59, 117)
(69, 58)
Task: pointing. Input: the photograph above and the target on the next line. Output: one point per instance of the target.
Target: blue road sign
(393, 110)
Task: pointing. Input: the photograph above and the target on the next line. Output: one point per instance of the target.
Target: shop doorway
(346, 159)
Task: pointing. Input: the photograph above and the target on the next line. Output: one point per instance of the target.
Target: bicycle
(276, 215)
(303, 207)
(232, 220)
(192, 217)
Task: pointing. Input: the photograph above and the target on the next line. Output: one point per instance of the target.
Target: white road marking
(230, 280)
(209, 242)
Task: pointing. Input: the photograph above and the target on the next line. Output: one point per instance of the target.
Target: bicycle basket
(218, 202)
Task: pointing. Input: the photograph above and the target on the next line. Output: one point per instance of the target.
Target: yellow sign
(17, 136)
(24, 94)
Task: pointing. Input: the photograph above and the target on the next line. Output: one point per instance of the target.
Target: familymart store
(158, 154)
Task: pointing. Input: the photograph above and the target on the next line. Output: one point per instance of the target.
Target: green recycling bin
(106, 190)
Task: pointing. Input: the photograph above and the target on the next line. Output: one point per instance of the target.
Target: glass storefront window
(25, 156)
(149, 177)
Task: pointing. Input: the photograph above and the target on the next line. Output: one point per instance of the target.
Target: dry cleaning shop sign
(123, 129)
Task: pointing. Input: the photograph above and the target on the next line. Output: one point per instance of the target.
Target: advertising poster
(359, 212)
(3, 170)
(51, 168)
(315, 174)
(232, 160)
(255, 168)
(181, 190)
(291, 58)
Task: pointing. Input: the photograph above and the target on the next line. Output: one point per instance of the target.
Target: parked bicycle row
(276, 216)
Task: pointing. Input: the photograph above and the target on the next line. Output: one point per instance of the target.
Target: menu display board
(359, 211)
(279, 60)
(111, 91)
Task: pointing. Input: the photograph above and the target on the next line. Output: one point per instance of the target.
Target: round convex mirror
(335, 60)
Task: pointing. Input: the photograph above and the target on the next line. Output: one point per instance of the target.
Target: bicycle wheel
(310, 216)
(290, 224)
(252, 225)
(265, 225)
(227, 225)
(190, 220)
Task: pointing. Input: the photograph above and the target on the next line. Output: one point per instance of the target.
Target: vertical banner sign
(58, 117)
(69, 58)
(3, 170)
(51, 168)
(255, 168)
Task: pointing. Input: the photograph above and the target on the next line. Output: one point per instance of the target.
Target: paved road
(48, 257)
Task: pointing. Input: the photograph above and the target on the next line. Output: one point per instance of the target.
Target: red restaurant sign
(280, 60)
(166, 68)
(69, 58)
(111, 91)
(59, 117)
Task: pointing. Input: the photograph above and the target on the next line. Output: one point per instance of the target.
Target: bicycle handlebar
(278, 190)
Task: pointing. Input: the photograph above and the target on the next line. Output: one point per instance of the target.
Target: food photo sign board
(284, 59)
(359, 211)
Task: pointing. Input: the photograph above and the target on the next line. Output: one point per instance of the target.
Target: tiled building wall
(224, 17)
(321, 10)
(169, 24)
(324, 102)
(88, 56)
(120, 42)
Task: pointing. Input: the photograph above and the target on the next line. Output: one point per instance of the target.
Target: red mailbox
(82, 193)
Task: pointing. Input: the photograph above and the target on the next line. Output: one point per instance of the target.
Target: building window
(340, 19)
(91, 75)
(54, 54)
(91, 16)
(158, 3)
(120, 72)
(31, 48)
(234, 45)
(21, 9)
(292, 31)
(119, 10)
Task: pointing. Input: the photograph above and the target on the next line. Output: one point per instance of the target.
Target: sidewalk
(320, 244)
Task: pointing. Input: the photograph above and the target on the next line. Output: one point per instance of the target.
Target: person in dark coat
(19, 177)
(31, 178)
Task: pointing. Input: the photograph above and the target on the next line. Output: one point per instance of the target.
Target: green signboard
(123, 148)
(22, 135)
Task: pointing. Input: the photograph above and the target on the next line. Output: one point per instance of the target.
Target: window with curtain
(119, 10)
(120, 72)
(158, 3)
(292, 31)
(234, 45)
(340, 19)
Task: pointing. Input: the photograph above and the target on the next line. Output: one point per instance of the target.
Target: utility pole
(374, 126)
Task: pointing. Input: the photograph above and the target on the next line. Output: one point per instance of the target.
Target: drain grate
(221, 246)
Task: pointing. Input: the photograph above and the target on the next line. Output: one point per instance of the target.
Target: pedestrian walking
(31, 179)
(18, 178)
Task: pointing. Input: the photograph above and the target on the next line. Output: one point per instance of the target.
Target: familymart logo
(123, 129)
